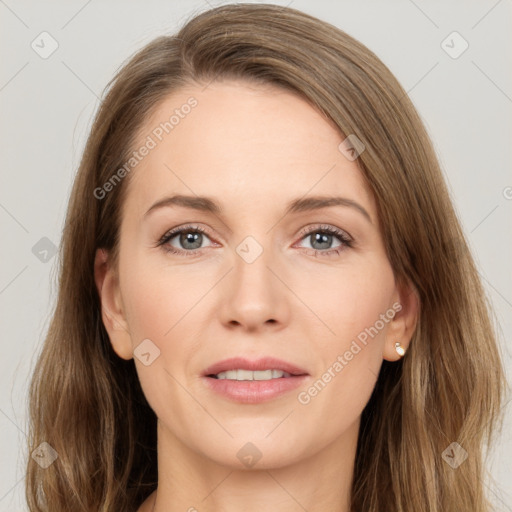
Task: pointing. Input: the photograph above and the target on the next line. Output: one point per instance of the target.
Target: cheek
(158, 298)
(350, 302)
(159, 304)
(350, 352)
(163, 304)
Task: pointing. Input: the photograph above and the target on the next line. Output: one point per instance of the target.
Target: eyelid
(178, 229)
(326, 228)
(347, 241)
(302, 233)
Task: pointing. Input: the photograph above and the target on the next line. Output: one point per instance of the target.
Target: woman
(324, 343)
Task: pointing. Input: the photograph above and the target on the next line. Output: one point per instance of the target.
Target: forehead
(242, 142)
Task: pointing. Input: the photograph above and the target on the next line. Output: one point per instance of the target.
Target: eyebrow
(206, 204)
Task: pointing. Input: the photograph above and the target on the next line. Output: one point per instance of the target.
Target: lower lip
(254, 391)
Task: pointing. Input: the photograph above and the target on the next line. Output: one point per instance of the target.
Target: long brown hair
(87, 403)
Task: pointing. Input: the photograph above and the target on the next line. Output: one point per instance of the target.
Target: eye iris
(193, 238)
(323, 238)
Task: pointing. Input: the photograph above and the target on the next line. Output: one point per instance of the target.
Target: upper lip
(264, 363)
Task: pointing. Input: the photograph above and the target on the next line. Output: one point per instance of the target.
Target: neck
(189, 481)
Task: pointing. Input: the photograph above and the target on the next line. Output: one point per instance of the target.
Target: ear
(401, 328)
(112, 314)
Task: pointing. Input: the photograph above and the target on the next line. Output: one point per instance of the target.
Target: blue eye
(191, 239)
(322, 236)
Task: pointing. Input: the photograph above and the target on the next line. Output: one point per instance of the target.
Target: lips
(265, 363)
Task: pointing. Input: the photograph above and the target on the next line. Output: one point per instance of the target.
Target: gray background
(47, 106)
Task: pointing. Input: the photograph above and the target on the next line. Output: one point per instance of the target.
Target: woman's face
(272, 273)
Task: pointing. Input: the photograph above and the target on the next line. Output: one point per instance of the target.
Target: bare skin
(252, 149)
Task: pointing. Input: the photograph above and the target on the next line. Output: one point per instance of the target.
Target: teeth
(250, 375)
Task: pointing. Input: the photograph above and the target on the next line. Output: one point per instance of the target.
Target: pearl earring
(400, 350)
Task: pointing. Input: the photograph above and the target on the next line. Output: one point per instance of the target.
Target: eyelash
(347, 242)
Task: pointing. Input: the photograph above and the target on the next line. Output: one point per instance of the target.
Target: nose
(254, 296)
